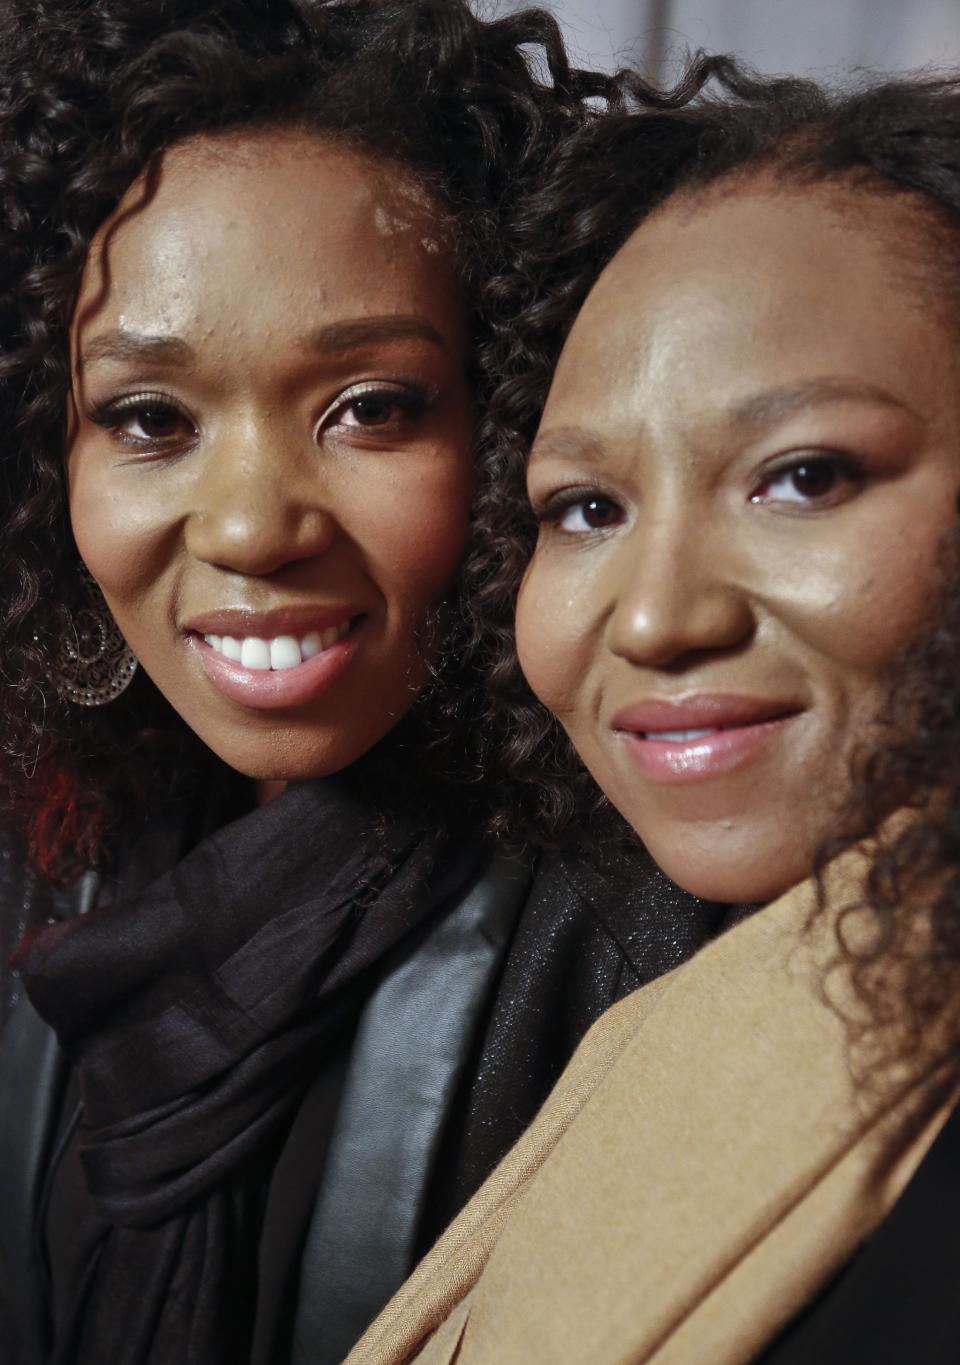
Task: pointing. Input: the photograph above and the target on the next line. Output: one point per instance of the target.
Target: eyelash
(411, 401)
(847, 469)
(113, 414)
(553, 510)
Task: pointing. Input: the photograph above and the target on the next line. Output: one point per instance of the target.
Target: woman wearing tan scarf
(703, 1169)
(749, 455)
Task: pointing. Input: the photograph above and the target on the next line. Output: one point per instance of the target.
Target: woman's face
(748, 456)
(270, 448)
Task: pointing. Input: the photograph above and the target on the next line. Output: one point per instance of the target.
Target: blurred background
(817, 37)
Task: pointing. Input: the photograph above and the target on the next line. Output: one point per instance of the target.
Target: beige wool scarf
(705, 1165)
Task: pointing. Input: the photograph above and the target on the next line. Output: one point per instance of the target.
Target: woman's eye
(154, 423)
(814, 482)
(383, 410)
(377, 410)
(146, 423)
(584, 514)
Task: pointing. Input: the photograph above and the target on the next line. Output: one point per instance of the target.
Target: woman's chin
(286, 758)
(736, 874)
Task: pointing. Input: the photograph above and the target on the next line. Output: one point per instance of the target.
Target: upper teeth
(678, 736)
(283, 651)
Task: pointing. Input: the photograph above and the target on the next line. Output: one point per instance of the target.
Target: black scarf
(193, 1013)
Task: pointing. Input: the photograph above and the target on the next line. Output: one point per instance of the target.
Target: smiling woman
(297, 396)
(730, 511)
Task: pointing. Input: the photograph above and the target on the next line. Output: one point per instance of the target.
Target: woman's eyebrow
(125, 346)
(786, 400)
(130, 346)
(569, 443)
(354, 333)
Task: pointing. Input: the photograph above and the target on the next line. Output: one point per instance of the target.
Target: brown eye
(814, 480)
(388, 410)
(600, 512)
(146, 422)
(375, 410)
(810, 483)
(590, 513)
(153, 423)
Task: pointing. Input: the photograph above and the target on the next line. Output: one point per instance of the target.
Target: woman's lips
(275, 688)
(702, 737)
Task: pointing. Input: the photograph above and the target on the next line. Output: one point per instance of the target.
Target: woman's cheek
(416, 545)
(105, 532)
(860, 599)
(547, 647)
(118, 526)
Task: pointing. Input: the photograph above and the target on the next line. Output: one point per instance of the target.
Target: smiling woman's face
(269, 456)
(749, 454)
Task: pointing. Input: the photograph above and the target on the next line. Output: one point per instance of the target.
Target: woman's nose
(259, 503)
(676, 597)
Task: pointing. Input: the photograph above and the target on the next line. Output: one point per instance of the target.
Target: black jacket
(896, 1301)
(488, 1006)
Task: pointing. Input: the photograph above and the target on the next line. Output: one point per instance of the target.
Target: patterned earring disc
(95, 664)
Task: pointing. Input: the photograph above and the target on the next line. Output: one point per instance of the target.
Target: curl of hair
(92, 92)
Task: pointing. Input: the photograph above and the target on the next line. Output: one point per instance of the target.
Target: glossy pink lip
(742, 728)
(273, 690)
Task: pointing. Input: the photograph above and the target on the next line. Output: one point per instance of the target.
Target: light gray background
(822, 37)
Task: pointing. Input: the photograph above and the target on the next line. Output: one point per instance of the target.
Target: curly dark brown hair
(905, 802)
(91, 91)
(895, 137)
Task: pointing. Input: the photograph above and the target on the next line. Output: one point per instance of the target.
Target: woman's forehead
(279, 232)
(767, 288)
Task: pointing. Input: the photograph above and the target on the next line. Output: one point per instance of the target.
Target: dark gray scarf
(192, 1013)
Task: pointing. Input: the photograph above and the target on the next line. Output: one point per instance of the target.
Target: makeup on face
(270, 455)
(749, 455)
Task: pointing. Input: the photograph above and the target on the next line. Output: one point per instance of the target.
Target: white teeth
(678, 736)
(255, 653)
(285, 651)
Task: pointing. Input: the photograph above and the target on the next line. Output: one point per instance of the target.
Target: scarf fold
(196, 1014)
(706, 1164)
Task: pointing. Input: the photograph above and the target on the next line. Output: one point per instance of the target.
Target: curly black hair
(91, 91)
(721, 122)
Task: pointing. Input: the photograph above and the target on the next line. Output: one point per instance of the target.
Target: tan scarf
(704, 1166)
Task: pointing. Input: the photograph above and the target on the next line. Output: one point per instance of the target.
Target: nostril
(680, 622)
(261, 540)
